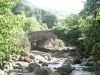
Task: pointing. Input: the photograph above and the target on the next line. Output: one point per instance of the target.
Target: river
(78, 69)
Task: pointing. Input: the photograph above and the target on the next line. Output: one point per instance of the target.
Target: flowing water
(78, 69)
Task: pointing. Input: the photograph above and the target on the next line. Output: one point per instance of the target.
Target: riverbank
(49, 63)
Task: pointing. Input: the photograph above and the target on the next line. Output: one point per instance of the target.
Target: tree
(89, 7)
(69, 30)
(91, 27)
(50, 20)
(31, 24)
(72, 20)
(41, 15)
(5, 6)
(12, 35)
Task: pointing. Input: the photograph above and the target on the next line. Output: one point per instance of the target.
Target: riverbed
(78, 69)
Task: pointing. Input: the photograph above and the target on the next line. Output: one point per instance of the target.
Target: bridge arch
(42, 38)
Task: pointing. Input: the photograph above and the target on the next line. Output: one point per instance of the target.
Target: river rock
(69, 62)
(65, 69)
(88, 63)
(27, 73)
(21, 58)
(77, 61)
(98, 61)
(19, 65)
(40, 62)
(28, 59)
(2, 72)
(48, 69)
(48, 57)
(32, 57)
(44, 64)
(91, 58)
(15, 57)
(33, 67)
(12, 73)
(84, 63)
(8, 67)
(42, 71)
(55, 73)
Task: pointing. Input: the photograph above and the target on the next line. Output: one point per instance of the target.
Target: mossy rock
(27, 59)
(65, 69)
(42, 71)
(33, 67)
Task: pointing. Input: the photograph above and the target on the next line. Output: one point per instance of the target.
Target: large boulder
(44, 64)
(33, 67)
(65, 69)
(42, 71)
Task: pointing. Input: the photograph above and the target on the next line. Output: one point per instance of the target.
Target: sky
(69, 6)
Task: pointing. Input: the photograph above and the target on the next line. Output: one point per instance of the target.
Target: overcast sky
(70, 6)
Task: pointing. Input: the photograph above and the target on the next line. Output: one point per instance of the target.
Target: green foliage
(31, 24)
(50, 20)
(22, 8)
(12, 35)
(60, 32)
(83, 29)
(18, 18)
(6, 5)
(69, 36)
(41, 15)
(57, 43)
(90, 27)
(69, 30)
(72, 20)
(33, 16)
(89, 7)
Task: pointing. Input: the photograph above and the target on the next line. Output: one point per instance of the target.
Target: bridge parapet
(39, 35)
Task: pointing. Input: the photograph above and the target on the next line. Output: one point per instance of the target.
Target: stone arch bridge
(42, 38)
